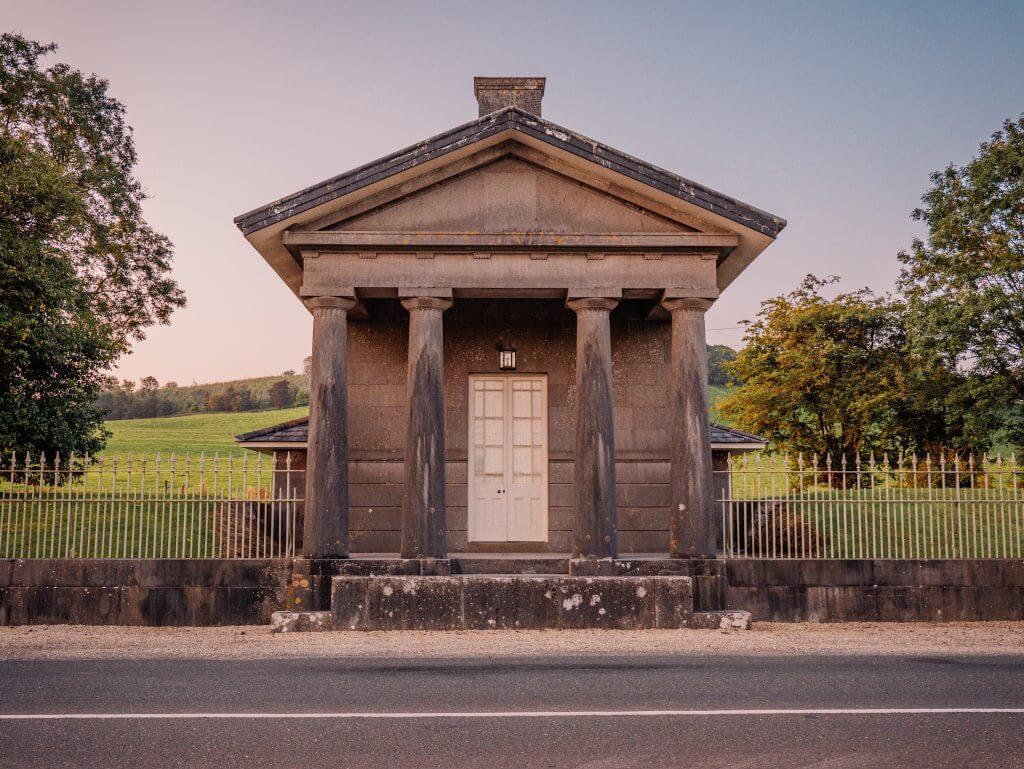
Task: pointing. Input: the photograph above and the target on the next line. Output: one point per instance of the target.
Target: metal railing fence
(782, 506)
(159, 506)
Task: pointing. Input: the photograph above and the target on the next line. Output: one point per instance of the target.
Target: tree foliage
(281, 394)
(818, 374)
(81, 272)
(964, 284)
(719, 358)
(837, 377)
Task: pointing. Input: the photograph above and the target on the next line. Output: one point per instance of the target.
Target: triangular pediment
(510, 195)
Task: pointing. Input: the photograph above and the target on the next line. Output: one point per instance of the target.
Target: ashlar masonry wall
(543, 333)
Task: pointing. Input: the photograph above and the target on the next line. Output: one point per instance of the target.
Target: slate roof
(722, 434)
(511, 118)
(297, 431)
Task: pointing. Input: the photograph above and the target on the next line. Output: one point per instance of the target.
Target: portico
(597, 267)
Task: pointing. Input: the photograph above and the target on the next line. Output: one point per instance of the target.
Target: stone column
(325, 522)
(423, 504)
(692, 523)
(594, 524)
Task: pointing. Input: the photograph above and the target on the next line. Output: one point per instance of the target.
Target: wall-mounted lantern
(506, 357)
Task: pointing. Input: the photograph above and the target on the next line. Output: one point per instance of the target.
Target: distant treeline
(125, 399)
(129, 400)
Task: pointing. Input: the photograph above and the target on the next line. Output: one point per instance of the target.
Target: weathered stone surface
(593, 567)
(692, 523)
(301, 621)
(525, 602)
(720, 620)
(673, 602)
(212, 592)
(499, 565)
(594, 525)
(397, 603)
(493, 93)
(325, 520)
(510, 603)
(423, 501)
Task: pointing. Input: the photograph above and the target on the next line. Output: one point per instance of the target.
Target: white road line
(514, 714)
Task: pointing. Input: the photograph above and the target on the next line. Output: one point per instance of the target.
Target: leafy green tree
(819, 375)
(964, 283)
(81, 272)
(839, 377)
(719, 358)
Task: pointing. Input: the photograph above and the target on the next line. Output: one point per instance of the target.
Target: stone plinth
(491, 602)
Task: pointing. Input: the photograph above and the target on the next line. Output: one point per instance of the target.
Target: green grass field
(133, 505)
(195, 433)
(212, 433)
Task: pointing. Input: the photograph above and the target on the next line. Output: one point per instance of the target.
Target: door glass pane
(489, 431)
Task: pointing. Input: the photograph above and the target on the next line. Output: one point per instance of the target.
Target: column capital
(426, 303)
(592, 298)
(580, 303)
(331, 302)
(686, 304)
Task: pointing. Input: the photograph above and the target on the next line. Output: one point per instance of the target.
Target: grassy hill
(193, 433)
(214, 432)
(715, 394)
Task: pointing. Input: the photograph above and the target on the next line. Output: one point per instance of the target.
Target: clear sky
(830, 115)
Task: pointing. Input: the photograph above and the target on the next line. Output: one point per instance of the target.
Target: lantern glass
(507, 359)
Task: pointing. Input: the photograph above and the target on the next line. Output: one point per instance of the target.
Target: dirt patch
(253, 642)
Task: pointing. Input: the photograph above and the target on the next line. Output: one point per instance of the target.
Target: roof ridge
(513, 118)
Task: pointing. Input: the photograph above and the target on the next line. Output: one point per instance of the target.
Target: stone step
(486, 602)
(728, 619)
(507, 566)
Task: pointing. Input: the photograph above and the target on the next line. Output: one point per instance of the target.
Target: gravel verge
(44, 642)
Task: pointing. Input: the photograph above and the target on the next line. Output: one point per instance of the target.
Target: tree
(819, 375)
(964, 284)
(839, 377)
(719, 358)
(281, 394)
(81, 272)
(231, 398)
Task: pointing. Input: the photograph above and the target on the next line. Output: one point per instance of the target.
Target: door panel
(508, 459)
(488, 504)
(527, 476)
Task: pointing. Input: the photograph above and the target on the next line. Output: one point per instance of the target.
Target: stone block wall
(198, 592)
(544, 335)
(876, 590)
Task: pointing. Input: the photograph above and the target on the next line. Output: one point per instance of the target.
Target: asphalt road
(612, 698)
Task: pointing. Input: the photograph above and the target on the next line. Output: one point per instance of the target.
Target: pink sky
(830, 116)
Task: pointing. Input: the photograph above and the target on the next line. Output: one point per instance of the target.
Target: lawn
(193, 434)
(142, 499)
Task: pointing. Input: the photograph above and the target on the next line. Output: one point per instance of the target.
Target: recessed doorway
(508, 458)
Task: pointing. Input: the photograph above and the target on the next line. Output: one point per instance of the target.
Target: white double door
(508, 458)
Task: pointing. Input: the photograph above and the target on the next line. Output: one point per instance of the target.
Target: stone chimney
(494, 93)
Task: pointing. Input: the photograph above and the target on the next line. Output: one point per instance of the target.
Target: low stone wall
(144, 592)
(239, 592)
(876, 590)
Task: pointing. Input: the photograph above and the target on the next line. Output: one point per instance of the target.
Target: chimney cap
(494, 93)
